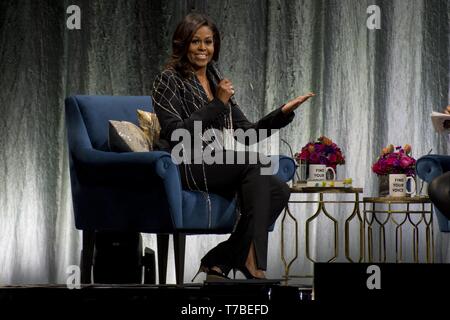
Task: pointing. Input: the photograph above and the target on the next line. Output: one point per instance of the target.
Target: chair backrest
(105, 206)
(96, 111)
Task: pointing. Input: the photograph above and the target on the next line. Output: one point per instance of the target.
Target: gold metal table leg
(321, 208)
(356, 212)
(287, 265)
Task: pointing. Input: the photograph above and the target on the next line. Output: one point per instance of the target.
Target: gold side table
(376, 207)
(321, 209)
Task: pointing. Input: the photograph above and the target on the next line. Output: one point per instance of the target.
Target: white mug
(318, 172)
(397, 185)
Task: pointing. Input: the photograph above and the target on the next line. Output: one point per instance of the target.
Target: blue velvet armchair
(136, 191)
(429, 167)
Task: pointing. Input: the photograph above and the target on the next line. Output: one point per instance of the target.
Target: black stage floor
(419, 285)
(189, 301)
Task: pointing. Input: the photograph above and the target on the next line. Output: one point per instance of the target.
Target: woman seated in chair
(190, 89)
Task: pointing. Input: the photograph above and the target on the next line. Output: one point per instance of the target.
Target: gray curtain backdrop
(374, 87)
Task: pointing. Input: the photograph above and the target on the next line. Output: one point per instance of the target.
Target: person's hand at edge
(446, 110)
(296, 102)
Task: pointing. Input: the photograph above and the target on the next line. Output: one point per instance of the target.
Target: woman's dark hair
(182, 38)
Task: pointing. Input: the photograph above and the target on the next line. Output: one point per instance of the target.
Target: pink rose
(333, 158)
(319, 147)
(304, 155)
(406, 162)
(391, 161)
(377, 168)
(314, 158)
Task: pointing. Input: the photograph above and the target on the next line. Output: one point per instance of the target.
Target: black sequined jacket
(179, 101)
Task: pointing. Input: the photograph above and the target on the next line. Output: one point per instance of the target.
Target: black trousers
(261, 197)
(439, 193)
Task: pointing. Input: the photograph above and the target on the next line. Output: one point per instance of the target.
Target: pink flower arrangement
(323, 151)
(395, 161)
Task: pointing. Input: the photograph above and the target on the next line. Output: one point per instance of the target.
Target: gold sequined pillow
(126, 137)
(148, 121)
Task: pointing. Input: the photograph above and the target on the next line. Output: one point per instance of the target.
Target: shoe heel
(200, 270)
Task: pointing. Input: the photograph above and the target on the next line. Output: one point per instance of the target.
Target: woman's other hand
(295, 103)
(224, 91)
(446, 110)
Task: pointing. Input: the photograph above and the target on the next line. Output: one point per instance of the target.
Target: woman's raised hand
(296, 102)
(446, 110)
(224, 90)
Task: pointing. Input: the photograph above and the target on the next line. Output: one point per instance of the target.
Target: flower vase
(383, 185)
(301, 173)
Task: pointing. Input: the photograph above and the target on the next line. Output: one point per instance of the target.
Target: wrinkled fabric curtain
(373, 87)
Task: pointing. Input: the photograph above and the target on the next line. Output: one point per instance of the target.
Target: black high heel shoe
(214, 275)
(244, 270)
(200, 270)
(211, 274)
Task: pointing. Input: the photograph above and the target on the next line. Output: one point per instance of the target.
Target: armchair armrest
(430, 166)
(101, 167)
(283, 167)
